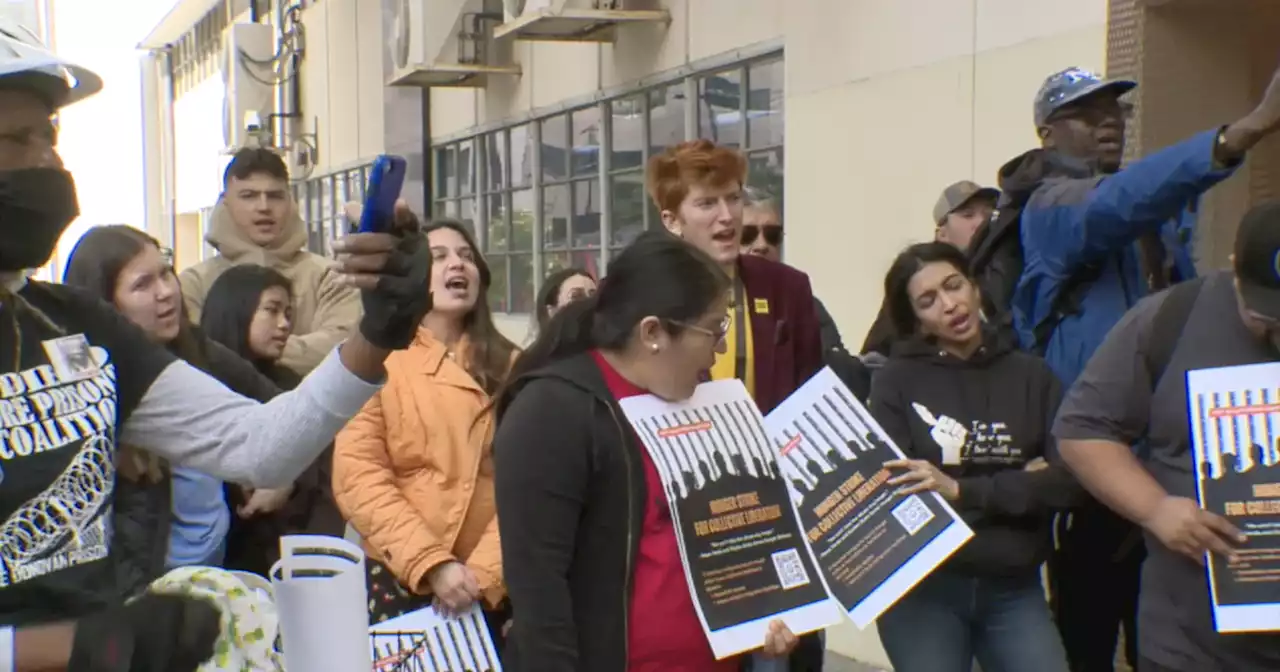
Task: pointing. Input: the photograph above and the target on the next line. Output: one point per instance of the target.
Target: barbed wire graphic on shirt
(59, 514)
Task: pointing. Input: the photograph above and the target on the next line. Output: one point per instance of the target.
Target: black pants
(1093, 578)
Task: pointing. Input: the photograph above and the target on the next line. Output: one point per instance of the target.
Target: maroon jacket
(786, 339)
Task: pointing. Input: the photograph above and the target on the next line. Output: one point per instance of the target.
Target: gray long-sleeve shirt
(76, 380)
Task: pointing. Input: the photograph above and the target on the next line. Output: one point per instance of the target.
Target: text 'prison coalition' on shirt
(74, 396)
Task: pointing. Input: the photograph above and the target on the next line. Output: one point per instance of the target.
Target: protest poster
(427, 641)
(1233, 412)
(744, 554)
(870, 544)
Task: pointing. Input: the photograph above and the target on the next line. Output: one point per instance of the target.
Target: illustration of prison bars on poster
(697, 446)
(833, 418)
(1233, 431)
(424, 641)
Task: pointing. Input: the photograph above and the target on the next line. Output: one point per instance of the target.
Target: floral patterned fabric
(249, 621)
(387, 598)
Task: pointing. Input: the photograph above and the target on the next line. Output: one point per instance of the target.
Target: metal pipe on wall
(286, 131)
(158, 145)
(168, 148)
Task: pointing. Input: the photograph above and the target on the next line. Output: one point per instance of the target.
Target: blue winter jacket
(1071, 222)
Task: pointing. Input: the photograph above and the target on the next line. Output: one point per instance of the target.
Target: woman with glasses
(589, 547)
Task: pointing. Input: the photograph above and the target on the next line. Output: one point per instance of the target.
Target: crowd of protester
(1019, 361)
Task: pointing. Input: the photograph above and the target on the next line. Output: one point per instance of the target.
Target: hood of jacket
(1023, 174)
(231, 242)
(579, 370)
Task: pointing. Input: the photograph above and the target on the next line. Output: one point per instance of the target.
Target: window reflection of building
(568, 188)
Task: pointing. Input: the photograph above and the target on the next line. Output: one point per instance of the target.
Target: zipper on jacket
(626, 585)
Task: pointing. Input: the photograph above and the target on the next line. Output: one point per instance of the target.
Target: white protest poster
(1235, 435)
(425, 641)
(745, 557)
(323, 605)
(870, 544)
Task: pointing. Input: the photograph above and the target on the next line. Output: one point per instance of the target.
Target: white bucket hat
(23, 57)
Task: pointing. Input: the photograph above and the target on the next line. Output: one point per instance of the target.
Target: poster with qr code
(870, 543)
(745, 557)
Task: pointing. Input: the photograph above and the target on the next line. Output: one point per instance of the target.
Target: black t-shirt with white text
(62, 402)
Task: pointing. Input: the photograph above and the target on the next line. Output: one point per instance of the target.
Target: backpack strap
(1067, 302)
(1167, 325)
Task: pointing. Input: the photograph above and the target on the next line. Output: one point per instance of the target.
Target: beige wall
(342, 82)
(921, 94)
(555, 71)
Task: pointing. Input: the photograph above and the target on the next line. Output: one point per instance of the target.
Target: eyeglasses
(718, 333)
(772, 234)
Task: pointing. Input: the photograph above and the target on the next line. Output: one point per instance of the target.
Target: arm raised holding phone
(182, 415)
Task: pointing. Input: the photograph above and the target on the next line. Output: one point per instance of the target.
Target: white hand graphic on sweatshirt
(947, 432)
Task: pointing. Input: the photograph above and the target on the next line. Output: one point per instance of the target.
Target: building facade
(533, 127)
(854, 114)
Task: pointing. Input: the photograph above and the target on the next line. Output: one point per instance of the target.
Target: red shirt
(665, 634)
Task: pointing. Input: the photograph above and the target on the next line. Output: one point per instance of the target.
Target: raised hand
(393, 272)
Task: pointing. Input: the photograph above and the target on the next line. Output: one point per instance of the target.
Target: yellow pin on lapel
(762, 306)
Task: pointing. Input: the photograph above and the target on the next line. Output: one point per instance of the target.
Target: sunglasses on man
(772, 234)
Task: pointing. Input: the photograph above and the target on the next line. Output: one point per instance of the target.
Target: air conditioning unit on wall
(574, 20)
(515, 9)
(438, 43)
(249, 77)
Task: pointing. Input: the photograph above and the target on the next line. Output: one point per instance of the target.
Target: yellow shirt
(726, 364)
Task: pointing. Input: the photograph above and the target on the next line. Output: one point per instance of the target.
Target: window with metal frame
(568, 189)
(320, 202)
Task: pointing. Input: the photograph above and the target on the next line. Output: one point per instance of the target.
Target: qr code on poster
(913, 514)
(790, 568)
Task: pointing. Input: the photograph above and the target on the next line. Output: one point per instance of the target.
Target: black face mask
(36, 206)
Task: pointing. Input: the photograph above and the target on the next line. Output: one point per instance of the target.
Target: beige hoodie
(324, 311)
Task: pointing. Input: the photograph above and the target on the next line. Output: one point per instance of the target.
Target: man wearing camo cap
(961, 210)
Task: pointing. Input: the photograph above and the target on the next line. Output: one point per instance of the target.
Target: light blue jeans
(949, 620)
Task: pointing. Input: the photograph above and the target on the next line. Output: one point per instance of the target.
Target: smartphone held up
(386, 179)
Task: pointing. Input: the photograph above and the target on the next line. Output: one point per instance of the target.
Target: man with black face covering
(76, 378)
(1095, 240)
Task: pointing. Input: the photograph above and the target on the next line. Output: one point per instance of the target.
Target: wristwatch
(1222, 157)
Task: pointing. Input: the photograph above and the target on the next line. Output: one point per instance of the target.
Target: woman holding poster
(972, 414)
(589, 547)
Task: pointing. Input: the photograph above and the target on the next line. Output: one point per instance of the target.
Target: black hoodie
(570, 488)
(999, 405)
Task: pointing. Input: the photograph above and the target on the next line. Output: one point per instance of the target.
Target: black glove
(394, 308)
(154, 633)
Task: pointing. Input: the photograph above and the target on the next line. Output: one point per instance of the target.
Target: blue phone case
(386, 179)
